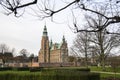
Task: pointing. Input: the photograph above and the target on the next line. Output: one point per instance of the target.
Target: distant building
(52, 52)
(6, 58)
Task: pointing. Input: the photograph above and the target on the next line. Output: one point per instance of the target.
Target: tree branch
(27, 4)
(13, 6)
(53, 12)
(86, 9)
(65, 7)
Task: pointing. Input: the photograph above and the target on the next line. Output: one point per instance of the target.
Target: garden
(47, 74)
(62, 73)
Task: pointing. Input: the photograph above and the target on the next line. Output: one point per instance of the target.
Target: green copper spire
(45, 31)
(51, 43)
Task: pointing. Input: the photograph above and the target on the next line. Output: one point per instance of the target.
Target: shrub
(83, 69)
(5, 68)
(67, 69)
(36, 69)
(20, 69)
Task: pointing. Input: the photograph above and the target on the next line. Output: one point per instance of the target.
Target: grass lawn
(50, 74)
(108, 69)
(103, 75)
(27, 75)
(106, 75)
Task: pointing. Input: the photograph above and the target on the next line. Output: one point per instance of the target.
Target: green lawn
(49, 73)
(106, 75)
(108, 69)
(102, 75)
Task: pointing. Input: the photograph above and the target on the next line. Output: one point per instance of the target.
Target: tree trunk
(100, 37)
(86, 60)
(103, 62)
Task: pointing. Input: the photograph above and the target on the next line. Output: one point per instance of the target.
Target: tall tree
(81, 45)
(102, 40)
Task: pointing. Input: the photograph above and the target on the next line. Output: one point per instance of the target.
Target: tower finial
(45, 31)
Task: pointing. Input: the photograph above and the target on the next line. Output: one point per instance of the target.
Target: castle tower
(44, 54)
(64, 50)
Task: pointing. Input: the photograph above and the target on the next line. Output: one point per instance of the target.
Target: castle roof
(55, 46)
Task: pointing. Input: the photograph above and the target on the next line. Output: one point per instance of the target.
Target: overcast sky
(24, 32)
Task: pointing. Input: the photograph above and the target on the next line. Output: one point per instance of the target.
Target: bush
(21, 69)
(67, 69)
(5, 68)
(13, 75)
(14, 69)
(83, 69)
(36, 69)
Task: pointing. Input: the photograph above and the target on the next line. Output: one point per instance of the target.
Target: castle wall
(55, 56)
(40, 57)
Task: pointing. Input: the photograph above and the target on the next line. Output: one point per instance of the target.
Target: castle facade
(52, 52)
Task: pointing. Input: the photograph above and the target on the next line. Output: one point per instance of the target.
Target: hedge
(67, 69)
(5, 68)
(41, 68)
(49, 75)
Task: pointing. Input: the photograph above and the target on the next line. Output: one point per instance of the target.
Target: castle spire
(45, 31)
(51, 43)
(63, 39)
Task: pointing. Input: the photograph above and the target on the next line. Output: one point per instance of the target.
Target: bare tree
(4, 48)
(103, 42)
(24, 53)
(81, 45)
